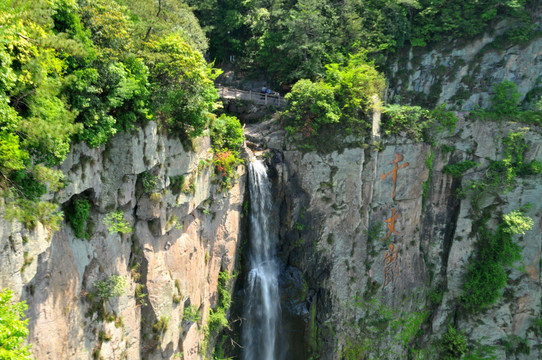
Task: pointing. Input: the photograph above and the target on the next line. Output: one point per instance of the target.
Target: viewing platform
(273, 99)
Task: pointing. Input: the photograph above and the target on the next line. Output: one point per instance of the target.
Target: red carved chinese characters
(396, 167)
(391, 265)
(391, 257)
(390, 223)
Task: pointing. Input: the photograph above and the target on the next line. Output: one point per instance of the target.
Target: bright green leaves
(411, 120)
(227, 138)
(345, 97)
(227, 133)
(11, 155)
(311, 105)
(453, 344)
(116, 223)
(304, 43)
(486, 276)
(113, 286)
(517, 223)
(49, 126)
(154, 19)
(355, 83)
(74, 70)
(13, 330)
(506, 98)
(33, 84)
(438, 18)
(112, 98)
(183, 92)
(109, 25)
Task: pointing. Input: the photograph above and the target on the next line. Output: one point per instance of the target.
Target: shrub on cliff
(486, 276)
(310, 106)
(227, 138)
(342, 100)
(13, 330)
(505, 99)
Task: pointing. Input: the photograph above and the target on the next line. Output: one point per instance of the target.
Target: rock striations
(382, 230)
(183, 234)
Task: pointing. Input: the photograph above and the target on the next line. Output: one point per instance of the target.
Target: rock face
(462, 74)
(375, 232)
(184, 233)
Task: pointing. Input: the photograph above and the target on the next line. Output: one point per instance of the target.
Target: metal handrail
(257, 97)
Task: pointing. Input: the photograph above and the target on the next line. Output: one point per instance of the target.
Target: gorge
(391, 210)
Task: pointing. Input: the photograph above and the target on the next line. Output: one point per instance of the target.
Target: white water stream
(262, 307)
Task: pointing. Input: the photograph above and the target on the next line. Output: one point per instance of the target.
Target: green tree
(438, 18)
(486, 276)
(13, 329)
(183, 92)
(227, 138)
(310, 106)
(154, 19)
(453, 344)
(505, 99)
(113, 286)
(373, 25)
(303, 46)
(355, 83)
(412, 120)
(227, 133)
(225, 24)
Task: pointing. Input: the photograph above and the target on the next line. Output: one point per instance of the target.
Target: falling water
(262, 309)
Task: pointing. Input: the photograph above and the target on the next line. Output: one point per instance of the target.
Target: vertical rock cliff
(183, 233)
(370, 235)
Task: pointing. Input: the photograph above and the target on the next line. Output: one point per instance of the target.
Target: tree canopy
(81, 70)
(294, 39)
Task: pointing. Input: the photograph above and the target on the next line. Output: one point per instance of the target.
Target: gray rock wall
(355, 241)
(181, 240)
(462, 73)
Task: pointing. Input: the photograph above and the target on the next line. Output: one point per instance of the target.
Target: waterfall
(262, 308)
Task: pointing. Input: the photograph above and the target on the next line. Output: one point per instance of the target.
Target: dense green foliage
(183, 90)
(505, 100)
(437, 18)
(410, 120)
(365, 335)
(496, 249)
(116, 223)
(226, 133)
(226, 138)
(311, 105)
(217, 320)
(191, 314)
(343, 98)
(504, 172)
(113, 286)
(80, 70)
(293, 40)
(486, 276)
(77, 214)
(505, 104)
(453, 344)
(13, 329)
(457, 170)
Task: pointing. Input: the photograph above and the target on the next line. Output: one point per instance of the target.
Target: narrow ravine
(262, 307)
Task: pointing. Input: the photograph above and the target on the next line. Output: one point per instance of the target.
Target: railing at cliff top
(257, 97)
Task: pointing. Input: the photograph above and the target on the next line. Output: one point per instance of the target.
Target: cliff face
(462, 73)
(369, 241)
(184, 233)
